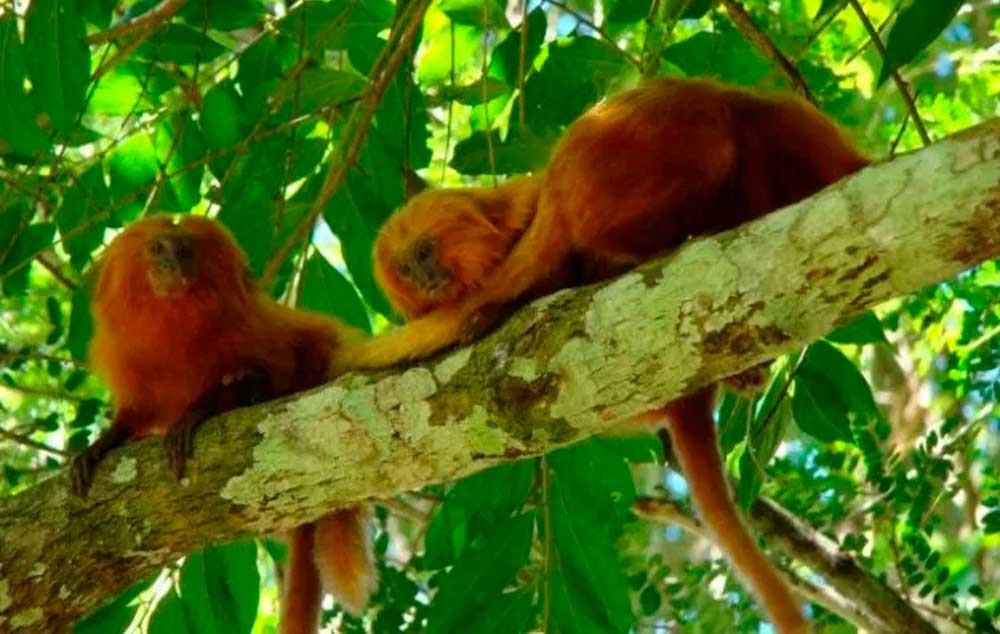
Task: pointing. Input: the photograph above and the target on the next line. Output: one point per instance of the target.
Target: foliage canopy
(885, 436)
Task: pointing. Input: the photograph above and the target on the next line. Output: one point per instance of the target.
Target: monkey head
(158, 261)
(437, 249)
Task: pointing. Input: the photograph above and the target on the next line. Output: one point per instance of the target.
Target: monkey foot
(81, 472)
(179, 445)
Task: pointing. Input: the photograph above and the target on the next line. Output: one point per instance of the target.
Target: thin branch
(147, 21)
(522, 59)
(41, 392)
(745, 25)
(582, 19)
(355, 131)
(901, 85)
(47, 260)
(28, 442)
(666, 511)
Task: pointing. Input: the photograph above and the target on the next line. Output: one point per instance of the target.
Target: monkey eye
(157, 247)
(425, 250)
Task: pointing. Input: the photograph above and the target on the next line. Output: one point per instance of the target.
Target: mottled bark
(568, 366)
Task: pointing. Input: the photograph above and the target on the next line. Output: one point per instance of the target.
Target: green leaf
(353, 214)
(818, 409)
(170, 617)
(589, 558)
(520, 152)
(19, 131)
(475, 12)
(81, 326)
(476, 93)
(325, 290)
(29, 243)
(220, 588)
(473, 506)
(133, 170)
(824, 360)
(723, 53)
(507, 614)
(86, 413)
(866, 328)
(180, 44)
(919, 24)
(827, 7)
(222, 124)
(505, 58)
(628, 11)
(59, 62)
(98, 12)
(333, 25)
(83, 215)
(178, 144)
(120, 91)
(322, 88)
(224, 16)
(576, 73)
(115, 617)
(480, 575)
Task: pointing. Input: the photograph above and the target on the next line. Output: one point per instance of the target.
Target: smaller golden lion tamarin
(631, 179)
(181, 334)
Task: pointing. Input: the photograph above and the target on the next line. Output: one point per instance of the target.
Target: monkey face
(171, 260)
(158, 257)
(435, 250)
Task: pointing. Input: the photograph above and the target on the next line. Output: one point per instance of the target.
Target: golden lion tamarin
(182, 334)
(631, 179)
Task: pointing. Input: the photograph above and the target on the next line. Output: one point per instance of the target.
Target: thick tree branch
(565, 367)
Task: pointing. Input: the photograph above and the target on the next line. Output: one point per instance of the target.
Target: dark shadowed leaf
(480, 576)
(170, 617)
(180, 44)
(220, 588)
(866, 328)
(115, 617)
(325, 290)
(19, 131)
(918, 24)
(59, 63)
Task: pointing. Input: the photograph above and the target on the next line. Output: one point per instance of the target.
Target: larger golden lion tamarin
(631, 179)
(181, 334)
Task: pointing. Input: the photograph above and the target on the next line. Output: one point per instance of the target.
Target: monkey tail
(692, 430)
(302, 592)
(344, 557)
(333, 553)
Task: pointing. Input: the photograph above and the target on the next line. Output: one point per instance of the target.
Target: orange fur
(631, 179)
(177, 317)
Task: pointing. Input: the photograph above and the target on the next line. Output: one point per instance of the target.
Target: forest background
(303, 125)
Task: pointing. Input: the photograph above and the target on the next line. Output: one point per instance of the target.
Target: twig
(45, 259)
(904, 90)
(860, 598)
(149, 20)
(665, 511)
(582, 19)
(490, 152)
(34, 444)
(354, 133)
(522, 63)
(745, 25)
(42, 392)
(881, 28)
